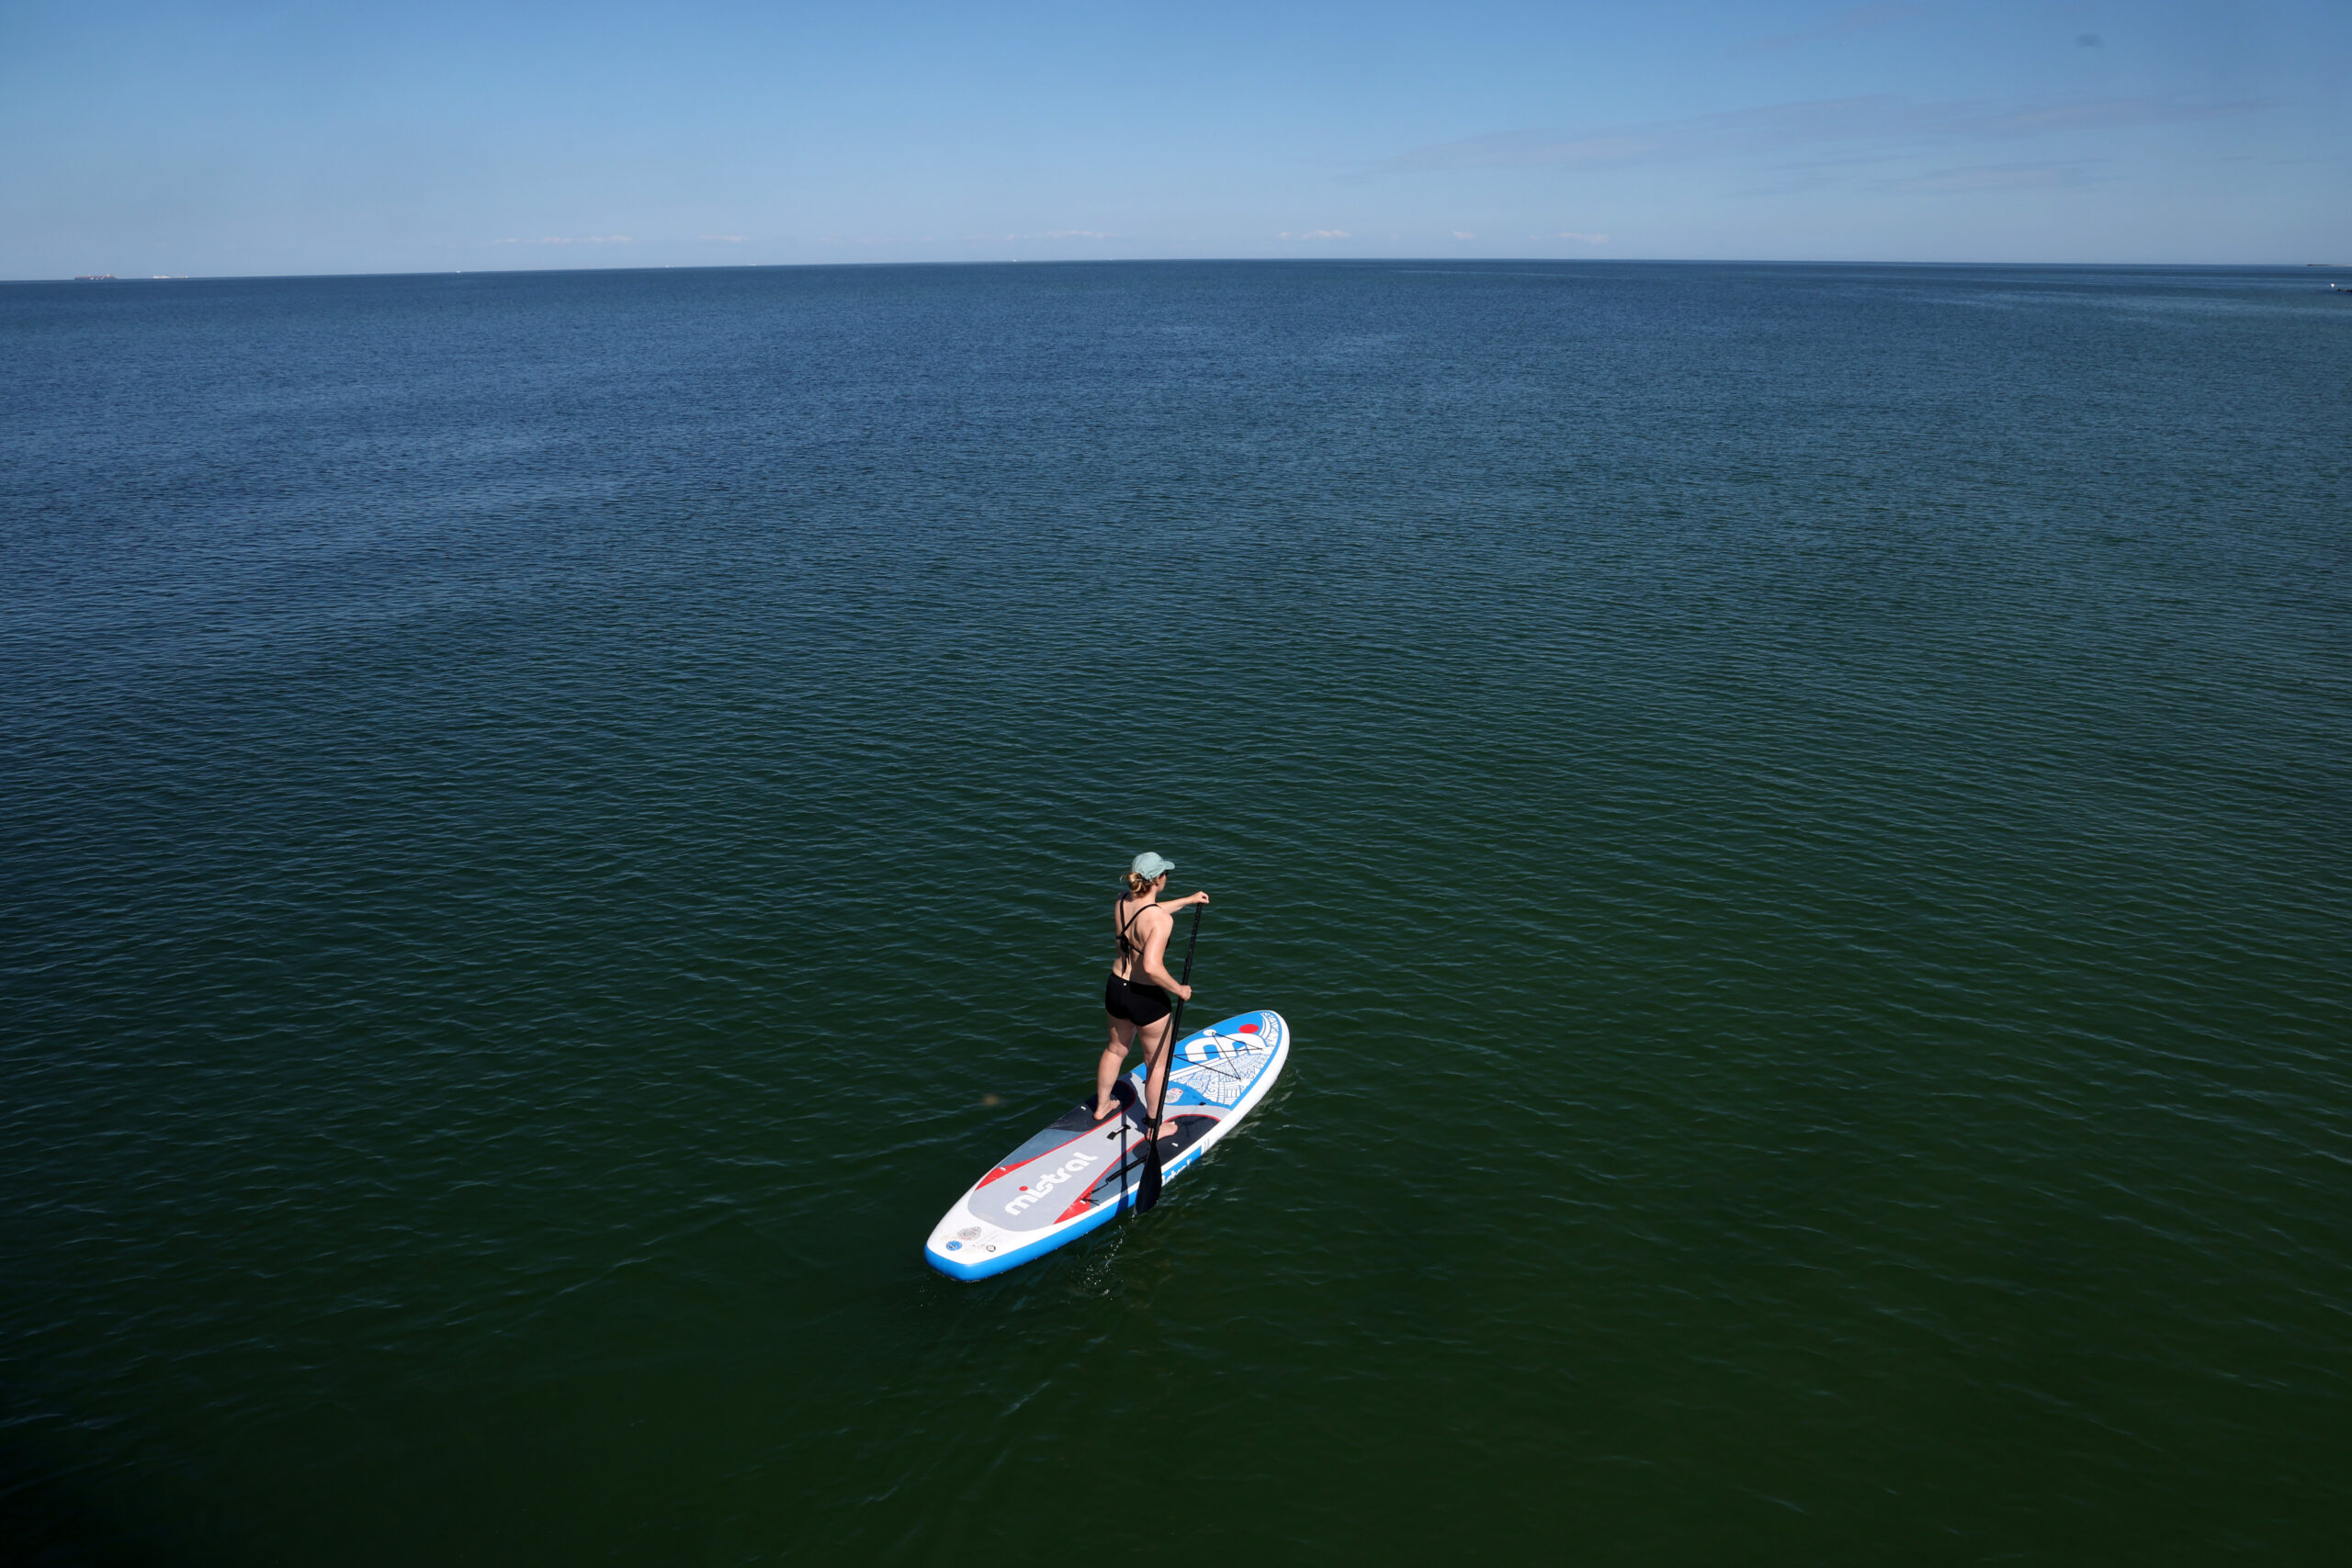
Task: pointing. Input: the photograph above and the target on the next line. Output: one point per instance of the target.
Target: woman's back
(1138, 920)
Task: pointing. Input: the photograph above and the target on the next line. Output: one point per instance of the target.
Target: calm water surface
(551, 823)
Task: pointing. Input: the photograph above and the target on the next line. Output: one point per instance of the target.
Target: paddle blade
(1148, 1193)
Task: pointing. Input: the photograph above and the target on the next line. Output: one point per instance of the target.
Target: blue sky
(141, 137)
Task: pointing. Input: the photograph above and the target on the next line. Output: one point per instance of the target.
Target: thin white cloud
(724, 238)
(1572, 235)
(1880, 119)
(1507, 149)
(1845, 24)
(564, 240)
(1464, 234)
(2100, 114)
(1065, 234)
(1317, 234)
(1995, 176)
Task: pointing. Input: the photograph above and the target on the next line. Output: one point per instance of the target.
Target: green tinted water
(1798, 816)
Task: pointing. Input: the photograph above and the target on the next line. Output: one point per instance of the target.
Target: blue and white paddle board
(1081, 1173)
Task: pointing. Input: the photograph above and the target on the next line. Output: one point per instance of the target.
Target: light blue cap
(1148, 866)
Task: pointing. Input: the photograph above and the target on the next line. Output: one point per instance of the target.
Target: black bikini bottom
(1134, 1000)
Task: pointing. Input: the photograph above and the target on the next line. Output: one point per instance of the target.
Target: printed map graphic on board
(1225, 1078)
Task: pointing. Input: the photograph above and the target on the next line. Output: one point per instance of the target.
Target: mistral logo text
(1046, 1184)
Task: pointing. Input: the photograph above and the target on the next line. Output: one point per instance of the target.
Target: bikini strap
(1127, 925)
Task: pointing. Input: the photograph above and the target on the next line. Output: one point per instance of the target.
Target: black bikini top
(1126, 948)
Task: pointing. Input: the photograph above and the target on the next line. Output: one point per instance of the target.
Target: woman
(1137, 997)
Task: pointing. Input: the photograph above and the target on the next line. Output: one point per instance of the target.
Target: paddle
(1149, 1192)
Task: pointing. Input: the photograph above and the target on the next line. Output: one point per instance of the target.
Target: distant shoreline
(1580, 263)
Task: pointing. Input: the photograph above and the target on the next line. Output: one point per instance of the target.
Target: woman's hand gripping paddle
(1149, 1192)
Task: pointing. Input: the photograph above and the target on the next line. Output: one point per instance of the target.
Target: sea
(1801, 817)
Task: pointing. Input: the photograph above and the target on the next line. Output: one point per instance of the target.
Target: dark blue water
(553, 822)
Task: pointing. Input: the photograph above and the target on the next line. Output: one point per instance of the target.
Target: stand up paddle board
(1080, 1173)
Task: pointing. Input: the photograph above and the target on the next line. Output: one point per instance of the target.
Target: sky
(239, 137)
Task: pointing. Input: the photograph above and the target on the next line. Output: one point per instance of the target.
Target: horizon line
(1578, 261)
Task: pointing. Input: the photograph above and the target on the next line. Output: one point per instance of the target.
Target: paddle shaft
(1156, 1103)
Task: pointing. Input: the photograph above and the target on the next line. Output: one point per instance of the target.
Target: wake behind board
(1080, 1173)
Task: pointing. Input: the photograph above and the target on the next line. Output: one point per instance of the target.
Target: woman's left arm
(1155, 958)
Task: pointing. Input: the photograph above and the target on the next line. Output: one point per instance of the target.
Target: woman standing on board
(1137, 997)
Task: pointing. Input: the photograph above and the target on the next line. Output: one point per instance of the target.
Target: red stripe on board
(1008, 1170)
